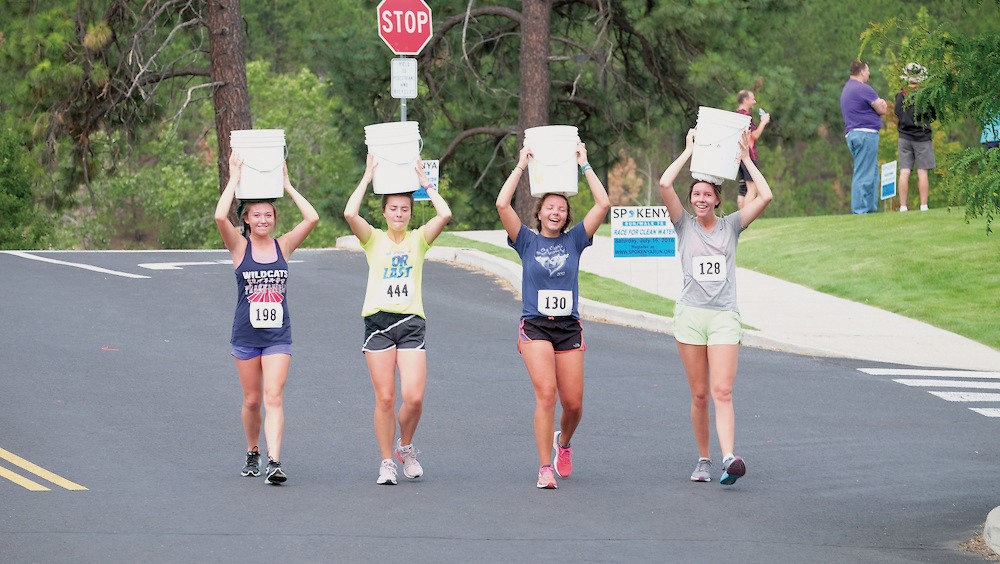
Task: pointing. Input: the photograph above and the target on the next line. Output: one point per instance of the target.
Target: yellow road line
(22, 481)
(38, 471)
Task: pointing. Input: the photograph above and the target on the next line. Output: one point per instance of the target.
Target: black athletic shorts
(565, 333)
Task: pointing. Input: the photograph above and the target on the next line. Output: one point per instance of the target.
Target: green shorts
(700, 326)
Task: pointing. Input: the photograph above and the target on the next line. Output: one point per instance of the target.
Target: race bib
(555, 303)
(266, 315)
(397, 291)
(709, 268)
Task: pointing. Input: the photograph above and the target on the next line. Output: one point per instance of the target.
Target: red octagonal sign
(404, 25)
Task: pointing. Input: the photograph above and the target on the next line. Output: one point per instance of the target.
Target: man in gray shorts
(915, 144)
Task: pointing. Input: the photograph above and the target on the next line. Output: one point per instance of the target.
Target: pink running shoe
(546, 479)
(563, 459)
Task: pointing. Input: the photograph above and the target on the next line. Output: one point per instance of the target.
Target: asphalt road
(124, 386)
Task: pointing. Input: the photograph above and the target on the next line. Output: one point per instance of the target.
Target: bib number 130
(266, 315)
(555, 302)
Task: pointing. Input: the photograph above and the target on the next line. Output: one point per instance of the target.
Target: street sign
(404, 78)
(432, 169)
(642, 231)
(404, 25)
(889, 181)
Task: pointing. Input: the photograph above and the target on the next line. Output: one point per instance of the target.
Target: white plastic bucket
(263, 153)
(396, 147)
(717, 144)
(553, 166)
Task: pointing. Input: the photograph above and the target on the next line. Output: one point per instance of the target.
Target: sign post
(406, 27)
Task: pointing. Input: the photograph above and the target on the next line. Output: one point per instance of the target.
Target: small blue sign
(645, 247)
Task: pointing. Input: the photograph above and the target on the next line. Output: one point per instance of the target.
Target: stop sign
(404, 25)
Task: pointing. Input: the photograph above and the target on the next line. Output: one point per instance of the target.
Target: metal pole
(402, 109)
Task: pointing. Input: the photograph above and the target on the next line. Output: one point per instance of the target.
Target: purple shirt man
(862, 110)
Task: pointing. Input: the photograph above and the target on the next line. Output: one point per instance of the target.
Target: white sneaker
(923, 207)
(387, 473)
(902, 208)
(408, 456)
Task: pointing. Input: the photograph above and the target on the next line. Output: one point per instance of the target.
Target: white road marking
(929, 372)
(178, 265)
(987, 411)
(949, 384)
(967, 396)
(75, 265)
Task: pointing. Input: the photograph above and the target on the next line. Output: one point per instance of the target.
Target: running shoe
(546, 478)
(387, 473)
(733, 469)
(408, 456)
(252, 467)
(563, 459)
(703, 471)
(274, 473)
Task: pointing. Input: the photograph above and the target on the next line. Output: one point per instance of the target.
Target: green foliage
(964, 78)
(22, 227)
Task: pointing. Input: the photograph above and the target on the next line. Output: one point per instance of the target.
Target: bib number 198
(266, 315)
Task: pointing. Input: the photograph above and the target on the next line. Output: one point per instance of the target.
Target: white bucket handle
(702, 143)
(251, 167)
(420, 147)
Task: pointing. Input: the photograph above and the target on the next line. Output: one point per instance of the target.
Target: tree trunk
(227, 50)
(534, 104)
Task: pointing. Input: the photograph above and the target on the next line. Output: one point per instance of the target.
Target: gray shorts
(386, 331)
(920, 153)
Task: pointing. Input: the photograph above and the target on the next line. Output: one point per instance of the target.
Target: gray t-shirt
(708, 260)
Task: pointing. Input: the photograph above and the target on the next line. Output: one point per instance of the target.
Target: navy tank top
(262, 318)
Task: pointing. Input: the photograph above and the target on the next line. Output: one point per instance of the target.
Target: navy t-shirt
(550, 282)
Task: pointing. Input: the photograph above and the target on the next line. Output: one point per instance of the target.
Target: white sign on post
(404, 78)
(642, 231)
(889, 180)
(432, 170)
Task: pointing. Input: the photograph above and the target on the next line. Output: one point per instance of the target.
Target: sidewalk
(788, 317)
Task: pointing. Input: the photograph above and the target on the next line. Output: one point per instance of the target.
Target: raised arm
(764, 120)
(231, 237)
(512, 223)
(292, 239)
(753, 206)
(602, 203)
(670, 198)
(352, 212)
(435, 226)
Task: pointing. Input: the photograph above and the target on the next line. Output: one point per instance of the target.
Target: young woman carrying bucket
(394, 315)
(706, 317)
(262, 329)
(550, 338)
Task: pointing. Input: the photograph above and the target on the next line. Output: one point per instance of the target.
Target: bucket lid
(392, 128)
(552, 131)
(256, 133)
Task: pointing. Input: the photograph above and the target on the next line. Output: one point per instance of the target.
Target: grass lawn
(931, 266)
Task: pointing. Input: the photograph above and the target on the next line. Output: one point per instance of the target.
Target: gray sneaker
(408, 456)
(252, 467)
(386, 473)
(703, 471)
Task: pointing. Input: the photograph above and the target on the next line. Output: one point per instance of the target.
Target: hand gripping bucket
(396, 147)
(717, 144)
(553, 166)
(263, 153)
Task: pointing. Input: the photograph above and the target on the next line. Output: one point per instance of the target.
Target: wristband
(585, 167)
(519, 167)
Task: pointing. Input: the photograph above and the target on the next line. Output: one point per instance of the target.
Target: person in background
(862, 110)
(394, 318)
(745, 100)
(262, 326)
(990, 138)
(915, 145)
